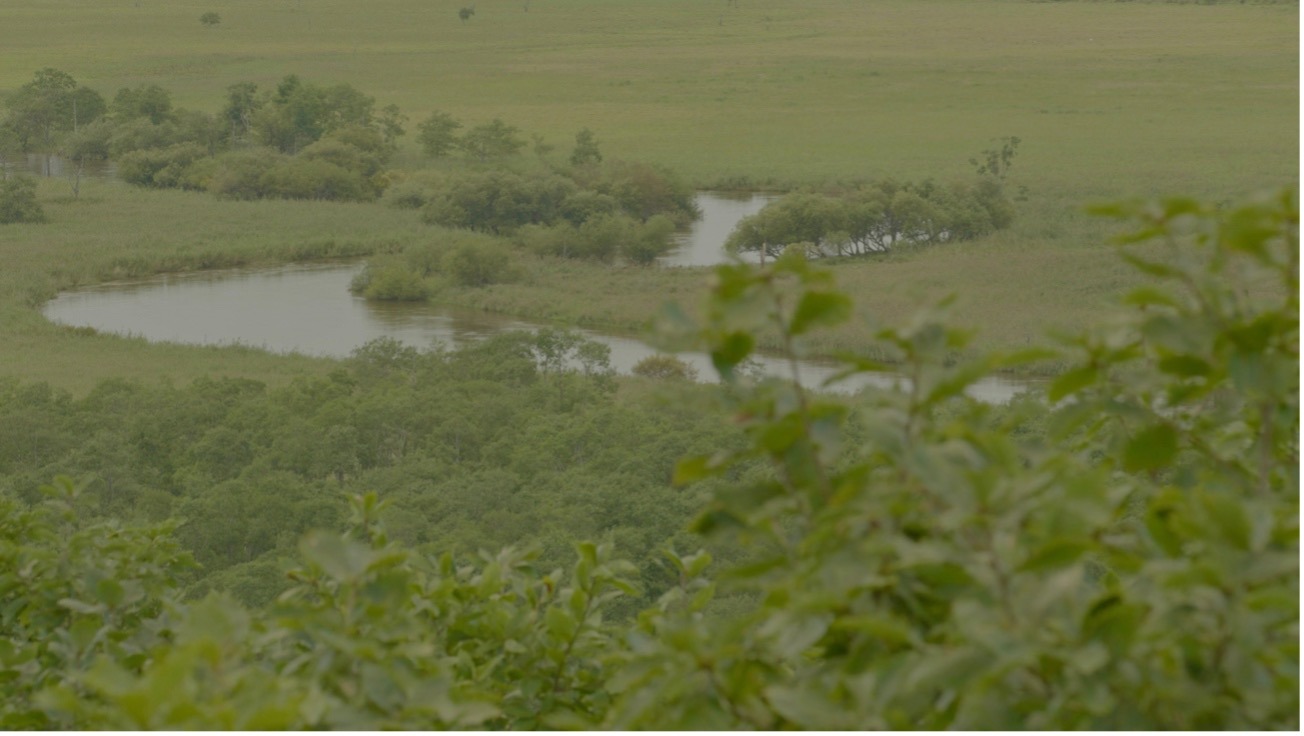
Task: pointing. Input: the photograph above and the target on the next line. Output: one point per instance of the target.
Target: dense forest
(499, 530)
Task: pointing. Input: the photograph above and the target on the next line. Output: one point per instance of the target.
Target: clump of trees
(298, 141)
(874, 218)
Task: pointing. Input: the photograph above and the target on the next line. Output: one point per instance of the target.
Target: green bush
(478, 264)
(664, 368)
(390, 282)
(308, 178)
(18, 201)
(159, 167)
(240, 173)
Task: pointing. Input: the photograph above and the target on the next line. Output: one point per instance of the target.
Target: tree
(299, 113)
(586, 149)
(391, 122)
(18, 201)
(465, 13)
(241, 104)
(210, 19)
(492, 140)
(87, 145)
(996, 162)
(437, 134)
(144, 101)
(49, 105)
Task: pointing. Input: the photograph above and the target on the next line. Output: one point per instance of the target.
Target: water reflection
(40, 164)
(309, 310)
(721, 211)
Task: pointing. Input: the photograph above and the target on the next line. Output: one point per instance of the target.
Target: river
(308, 309)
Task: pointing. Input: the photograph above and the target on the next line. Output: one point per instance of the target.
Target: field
(1111, 100)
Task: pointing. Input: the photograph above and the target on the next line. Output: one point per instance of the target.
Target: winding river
(308, 309)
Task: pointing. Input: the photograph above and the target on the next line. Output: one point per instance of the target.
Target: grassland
(1112, 100)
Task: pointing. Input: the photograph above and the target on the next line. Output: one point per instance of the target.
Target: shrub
(391, 282)
(239, 174)
(664, 368)
(18, 201)
(478, 264)
(159, 167)
(649, 241)
(307, 178)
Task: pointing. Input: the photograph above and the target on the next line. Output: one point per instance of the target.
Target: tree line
(299, 140)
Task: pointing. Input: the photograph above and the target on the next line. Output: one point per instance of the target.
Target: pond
(308, 309)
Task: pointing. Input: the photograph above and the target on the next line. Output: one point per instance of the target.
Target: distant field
(1112, 100)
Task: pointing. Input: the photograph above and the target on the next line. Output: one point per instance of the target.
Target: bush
(499, 202)
(478, 264)
(390, 282)
(650, 241)
(664, 368)
(306, 178)
(18, 201)
(239, 173)
(159, 167)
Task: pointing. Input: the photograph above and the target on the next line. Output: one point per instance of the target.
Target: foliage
(996, 162)
(874, 218)
(494, 139)
(914, 559)
(664, 368)
(210, 19)
(48, 106)
(437, 134)
(144, 101)
(498, 201)
(18, 201)
(472, 264)
(586, 150)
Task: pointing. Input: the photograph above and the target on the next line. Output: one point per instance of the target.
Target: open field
(1112, 100)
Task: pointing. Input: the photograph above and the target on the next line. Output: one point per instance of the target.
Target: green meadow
(1111, 101)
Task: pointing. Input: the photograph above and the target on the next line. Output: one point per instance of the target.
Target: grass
(1112, 100)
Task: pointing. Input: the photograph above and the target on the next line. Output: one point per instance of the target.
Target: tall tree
(437, 134)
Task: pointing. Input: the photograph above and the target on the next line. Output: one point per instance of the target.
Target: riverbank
(1011, 288)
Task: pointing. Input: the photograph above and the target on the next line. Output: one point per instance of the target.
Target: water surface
(703, 245)
(308, 309)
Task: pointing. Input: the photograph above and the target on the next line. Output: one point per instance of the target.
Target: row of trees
(1120, 555)
(874, 218)
(438, 137)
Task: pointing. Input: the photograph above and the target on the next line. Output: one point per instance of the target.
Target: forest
(509, 531)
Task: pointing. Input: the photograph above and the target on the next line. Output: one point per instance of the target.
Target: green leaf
(342, 559)
(560, 623)
(1186, 366)
(820, 309)
(732, 350)
(697, 467)
(1057, 554)
(1071, 382)
(1150, 449)
(1146, 296)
